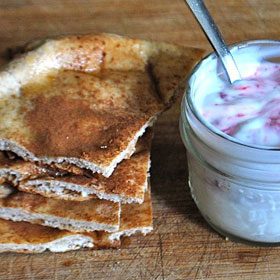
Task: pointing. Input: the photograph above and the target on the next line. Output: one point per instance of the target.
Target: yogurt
(232, 136)
(249, 109)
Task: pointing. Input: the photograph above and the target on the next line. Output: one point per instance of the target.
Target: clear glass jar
(235, 186)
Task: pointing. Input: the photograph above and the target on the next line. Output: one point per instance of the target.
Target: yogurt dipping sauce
(232, 133)
(249, 109)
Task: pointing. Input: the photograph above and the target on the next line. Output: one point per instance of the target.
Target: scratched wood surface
(182, 246)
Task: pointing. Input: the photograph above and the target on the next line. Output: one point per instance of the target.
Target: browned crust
(65, 195)
(101, 212)
(22, 233)
(135, 216)
(134, 219)
(128, 181)
(98, 135)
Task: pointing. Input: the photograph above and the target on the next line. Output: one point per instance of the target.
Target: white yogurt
(231, 133)
(248, 110)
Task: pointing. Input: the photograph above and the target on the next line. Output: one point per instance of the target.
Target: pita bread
(24, 237)
(127, 184)
(85, 100)
(84, 216)
(135, 218)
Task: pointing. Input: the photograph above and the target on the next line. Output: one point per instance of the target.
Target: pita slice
(25, 237)
(85, 216)
(127, 184)
(85, 100)
(135, 218)
(22, 237)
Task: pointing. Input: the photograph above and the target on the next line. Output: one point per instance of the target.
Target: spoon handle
(215, 38)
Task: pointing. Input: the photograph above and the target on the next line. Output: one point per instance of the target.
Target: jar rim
(192, 107)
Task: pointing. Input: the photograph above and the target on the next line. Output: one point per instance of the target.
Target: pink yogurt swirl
(248, 110)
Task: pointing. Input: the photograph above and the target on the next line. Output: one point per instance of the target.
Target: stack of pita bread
(76, 116)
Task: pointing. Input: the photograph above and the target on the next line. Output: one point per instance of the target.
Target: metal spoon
(215, 38)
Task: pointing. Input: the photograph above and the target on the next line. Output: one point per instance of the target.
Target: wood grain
(182, 246)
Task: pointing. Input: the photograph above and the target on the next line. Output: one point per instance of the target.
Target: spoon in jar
(215, 38)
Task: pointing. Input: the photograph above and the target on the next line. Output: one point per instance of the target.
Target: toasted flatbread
(135, 218)
(24, 237)
(84, 216)
(85, 100)
(127, 184)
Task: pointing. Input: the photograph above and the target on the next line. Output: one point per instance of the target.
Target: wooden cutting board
(182, 245)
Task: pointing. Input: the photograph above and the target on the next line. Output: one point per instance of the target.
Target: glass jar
(235, 186)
